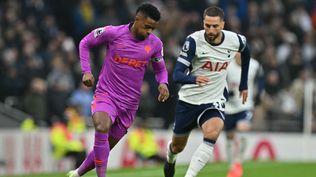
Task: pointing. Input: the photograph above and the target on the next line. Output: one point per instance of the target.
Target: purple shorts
(122, 118)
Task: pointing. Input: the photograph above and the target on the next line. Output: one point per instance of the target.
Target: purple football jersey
(125, 62)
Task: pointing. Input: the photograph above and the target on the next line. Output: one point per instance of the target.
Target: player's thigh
(185, 118)
(230, 123)
(103, 112)
(212, 123)
(122, 123)
(244, 122)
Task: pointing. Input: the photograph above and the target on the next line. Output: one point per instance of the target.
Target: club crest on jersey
(217, 67)
(97, 32)
(186, 46)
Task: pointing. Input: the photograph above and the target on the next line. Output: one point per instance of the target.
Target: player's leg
(230, 127)
(175, 146)
(98, 157)
(233, 155)
(185, 121)
(242, 127)
(230, 146)
(211, 128)
(242, 124)
(102, 123)
(88, 163)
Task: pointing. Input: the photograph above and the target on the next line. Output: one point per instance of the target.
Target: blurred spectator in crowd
(84, 17)
(63, 144)
(75, 121)
(82, 98)
(35, 101)
(142, 142)
(33, 32)
(60, 84)
(147, 102)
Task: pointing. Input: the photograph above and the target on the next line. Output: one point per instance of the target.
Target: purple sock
(101, 153)
(87, 164)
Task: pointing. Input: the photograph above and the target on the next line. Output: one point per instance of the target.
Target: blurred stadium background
(40, 83)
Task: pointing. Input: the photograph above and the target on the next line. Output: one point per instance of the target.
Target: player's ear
(222, 24)
(136, 18)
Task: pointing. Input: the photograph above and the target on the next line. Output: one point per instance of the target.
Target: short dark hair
(214, 11)
(149, 11)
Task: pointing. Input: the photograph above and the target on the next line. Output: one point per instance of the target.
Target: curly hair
(149, 10)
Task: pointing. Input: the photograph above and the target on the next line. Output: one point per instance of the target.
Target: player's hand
(243, 95)
(201, 80)
(163, 92)
(88, 79)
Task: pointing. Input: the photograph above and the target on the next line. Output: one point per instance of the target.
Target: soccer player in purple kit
(130, 48)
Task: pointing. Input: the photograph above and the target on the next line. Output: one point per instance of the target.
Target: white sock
(171, 157)
(76, 173)
(200, 157)
(242, 147)
(230, 150)
(237, 149)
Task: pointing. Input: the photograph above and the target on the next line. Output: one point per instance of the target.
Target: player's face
(144, 26)
(213, 27)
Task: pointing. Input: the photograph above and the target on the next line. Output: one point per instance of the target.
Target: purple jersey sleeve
(98, 36)
(159, 66)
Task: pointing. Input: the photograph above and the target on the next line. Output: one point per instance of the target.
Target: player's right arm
(183, 64)
(96, 37)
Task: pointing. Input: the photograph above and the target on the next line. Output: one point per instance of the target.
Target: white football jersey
(234, 103)
(211, 61)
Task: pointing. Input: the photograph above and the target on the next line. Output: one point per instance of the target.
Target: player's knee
(102, 128)
(102, 122)
(211, 134)
(243, 127)
(230, 135)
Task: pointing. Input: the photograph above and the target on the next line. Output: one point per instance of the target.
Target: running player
(202, 69)
(130, 48)
(238, 116)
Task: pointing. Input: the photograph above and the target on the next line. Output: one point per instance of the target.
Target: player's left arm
(245, 60)
(161, 73)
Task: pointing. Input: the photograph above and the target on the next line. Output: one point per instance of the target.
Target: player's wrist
(86, 72)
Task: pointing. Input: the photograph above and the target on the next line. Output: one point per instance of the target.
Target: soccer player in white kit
(201, 68)
(238, 116)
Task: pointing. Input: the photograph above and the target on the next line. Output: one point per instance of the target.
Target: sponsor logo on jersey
(217, 67)
(130, 61)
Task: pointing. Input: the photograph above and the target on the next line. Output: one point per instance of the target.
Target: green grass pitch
(251, 169)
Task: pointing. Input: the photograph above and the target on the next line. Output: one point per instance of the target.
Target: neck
(218, 39)
(132, 30)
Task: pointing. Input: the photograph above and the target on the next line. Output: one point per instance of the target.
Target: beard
(141, 37)
(212, 37)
